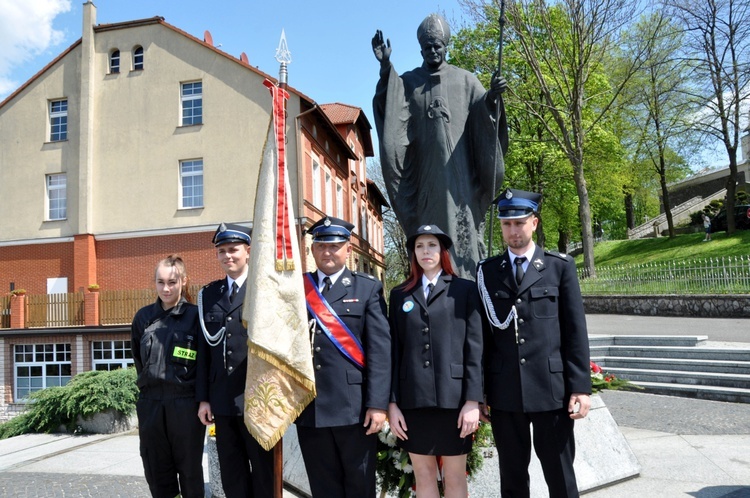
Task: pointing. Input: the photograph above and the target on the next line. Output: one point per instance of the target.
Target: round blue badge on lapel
(408, 306)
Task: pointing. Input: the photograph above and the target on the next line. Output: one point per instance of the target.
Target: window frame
(193, 173)
(316, 197)
(138, 53)
(327, 181)
(188, 98)
(50, 199)
(115, 61)
(35, 356)
(58, 120)
(339, 200)
(119, 352)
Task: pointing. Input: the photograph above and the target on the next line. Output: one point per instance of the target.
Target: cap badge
(408, 306)
(508, 194)
(428, 227)
(222, 228)
(327, 222)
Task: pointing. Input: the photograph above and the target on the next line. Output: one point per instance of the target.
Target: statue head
(434, 26)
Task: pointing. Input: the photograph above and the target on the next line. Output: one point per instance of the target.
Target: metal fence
(54, 310)
(725, 275)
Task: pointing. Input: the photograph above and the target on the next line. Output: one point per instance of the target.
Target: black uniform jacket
(437, 345)
(164, 346)
(222, 382)
(550, 361)
(345, 392)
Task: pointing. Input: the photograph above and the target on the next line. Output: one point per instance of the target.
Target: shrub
(86, 394)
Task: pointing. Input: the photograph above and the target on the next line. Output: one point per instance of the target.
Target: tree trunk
(584, 213)
(731, 190)
(563, 241)
(629, 211)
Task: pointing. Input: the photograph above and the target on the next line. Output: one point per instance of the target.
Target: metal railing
(725, 275)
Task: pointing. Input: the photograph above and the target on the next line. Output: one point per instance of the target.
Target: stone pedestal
(214, 473)
(603, 457)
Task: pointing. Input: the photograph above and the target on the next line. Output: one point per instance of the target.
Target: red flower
(595, 368)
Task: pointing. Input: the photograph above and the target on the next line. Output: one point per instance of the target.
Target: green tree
(717, 44)
(568, 49)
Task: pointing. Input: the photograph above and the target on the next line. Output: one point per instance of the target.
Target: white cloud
(26, 27)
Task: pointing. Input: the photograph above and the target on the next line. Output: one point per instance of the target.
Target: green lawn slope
(663, 249)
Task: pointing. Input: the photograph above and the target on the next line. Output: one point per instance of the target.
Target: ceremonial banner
(280, 380)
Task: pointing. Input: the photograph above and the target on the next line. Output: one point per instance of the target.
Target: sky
(329, 40)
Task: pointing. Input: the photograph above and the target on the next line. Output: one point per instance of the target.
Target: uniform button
(347, 310)
(546, 291)
(521, 341)
(229, 352)
(520, 320)
(523, 361)
(427, 346)
(229, 335)
(317, 331)
(427, 363)
(497, 294)
(317, 367)
(518, 301)
(231, 368)
(317, 348)
(229, 318)
(425, 330)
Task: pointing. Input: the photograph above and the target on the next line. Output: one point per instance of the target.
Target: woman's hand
(396, 419)
(468, 418)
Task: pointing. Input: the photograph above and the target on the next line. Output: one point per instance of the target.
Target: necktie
(235, 290)
(519, 269)
(430, 286)
(326, 285)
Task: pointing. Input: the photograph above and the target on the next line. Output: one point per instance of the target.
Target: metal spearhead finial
(284, 57)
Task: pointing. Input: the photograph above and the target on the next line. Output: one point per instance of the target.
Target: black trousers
(171, 444)
(340, 461)
(554, 444)
(246, 468)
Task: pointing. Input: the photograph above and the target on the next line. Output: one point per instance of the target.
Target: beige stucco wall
(137, 139)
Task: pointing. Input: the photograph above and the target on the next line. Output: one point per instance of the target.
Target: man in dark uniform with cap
(222, 365)
(352, 360)
(536, 352)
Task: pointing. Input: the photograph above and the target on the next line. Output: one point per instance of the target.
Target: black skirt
(433, 431)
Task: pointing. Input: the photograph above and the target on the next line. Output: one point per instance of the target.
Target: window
(57, 197)
(192, 103)
(329, 194)
(138, 59)
(354, 212)
(316, 182)
(191, 183)
(339, 201)
(114, 62)
(38, 366)
(111, 355)
(58, 120)
(363, 232)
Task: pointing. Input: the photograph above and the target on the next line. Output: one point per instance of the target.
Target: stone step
(679, 364)
(687, 353)
(638, 376)
(733, 395)
(647, 340)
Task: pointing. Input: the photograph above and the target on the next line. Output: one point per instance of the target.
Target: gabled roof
(374, 193)
(340, 114)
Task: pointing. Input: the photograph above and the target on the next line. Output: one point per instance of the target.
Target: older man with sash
(352, 360)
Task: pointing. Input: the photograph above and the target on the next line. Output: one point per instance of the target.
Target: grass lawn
(681, 248)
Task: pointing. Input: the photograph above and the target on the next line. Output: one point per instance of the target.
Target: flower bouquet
(395, 473)
(601, 379)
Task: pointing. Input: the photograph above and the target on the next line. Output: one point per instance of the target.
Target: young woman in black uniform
(163, 342)
(436, 384)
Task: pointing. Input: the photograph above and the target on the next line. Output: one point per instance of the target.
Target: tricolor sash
(336, 330)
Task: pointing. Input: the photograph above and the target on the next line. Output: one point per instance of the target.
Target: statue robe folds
(439, 152)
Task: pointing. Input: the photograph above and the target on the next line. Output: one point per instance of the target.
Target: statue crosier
(440, 147)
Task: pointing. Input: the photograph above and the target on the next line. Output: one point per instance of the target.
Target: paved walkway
(686, 447)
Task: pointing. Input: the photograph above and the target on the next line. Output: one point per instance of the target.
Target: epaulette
(560, 255)
(215, 282)
(491, 258)
(360, 274)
